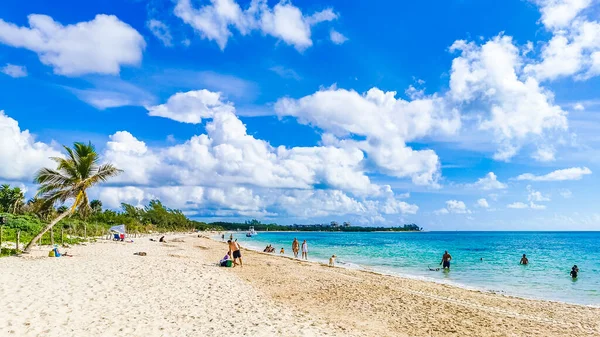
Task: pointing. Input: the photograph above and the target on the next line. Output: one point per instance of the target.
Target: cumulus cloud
(14, 71)
(482, 203)
(281, 180)
(557, 14)
(386, 122)
(573, 173)
(489, 182)
(161, 31)
(574, 48)
(192, 106)
(283, 21)
(454, 206)
(337, 37)
(516, 108)
(20, 154)
(100, 46)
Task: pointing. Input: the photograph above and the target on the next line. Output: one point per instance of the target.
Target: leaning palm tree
(77, 172)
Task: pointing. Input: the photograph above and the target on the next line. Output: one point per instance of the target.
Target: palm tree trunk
(47, 228)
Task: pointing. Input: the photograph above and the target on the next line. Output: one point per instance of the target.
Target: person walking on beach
(295, 247)
(305, 250)
(524, 260)
(446, 260)
(234, 252)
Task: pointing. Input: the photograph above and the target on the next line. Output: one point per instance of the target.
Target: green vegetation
(333, 227)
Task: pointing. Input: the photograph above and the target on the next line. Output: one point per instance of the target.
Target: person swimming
(524, 260)
(574, 271)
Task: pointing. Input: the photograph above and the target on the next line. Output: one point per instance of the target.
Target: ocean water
(480, 260)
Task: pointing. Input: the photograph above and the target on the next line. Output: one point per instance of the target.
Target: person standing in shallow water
(305, 250)
(524, 260)
(295, 247)
(446, 260)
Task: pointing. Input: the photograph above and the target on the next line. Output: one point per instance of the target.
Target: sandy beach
(177, 290)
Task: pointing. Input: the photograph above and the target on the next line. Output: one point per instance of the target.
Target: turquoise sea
(480, 260)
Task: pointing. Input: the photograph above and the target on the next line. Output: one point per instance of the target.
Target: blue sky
(454, 115)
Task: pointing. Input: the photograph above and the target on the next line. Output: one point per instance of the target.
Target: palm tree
(96, 206)
(76, 173)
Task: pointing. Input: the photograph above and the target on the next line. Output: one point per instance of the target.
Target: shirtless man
(295, 247)
(524, 260)
(446, 260)
(234, 252)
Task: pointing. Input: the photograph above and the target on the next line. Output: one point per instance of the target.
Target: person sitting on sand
(282, 251)
(295, 247)
(524, 260)
(162, 239)
(304, 250)
(236, 254)
(446, 260)
(574, 271)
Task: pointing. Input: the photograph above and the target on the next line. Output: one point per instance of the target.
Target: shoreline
(362, 268)
(379, 304)
(178, 290)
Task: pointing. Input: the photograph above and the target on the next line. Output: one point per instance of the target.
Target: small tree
(74, 174)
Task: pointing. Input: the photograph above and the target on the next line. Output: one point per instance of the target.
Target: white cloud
(337, 37)
(454, 206)
(573, 173)
(557, 14)
(536, 206)
(517, 205)
(161, 31)
(544, 154)
(192, 106)
(574, 49)
(489, 182)
(386, 122)
(516, 109)
(482, 203)
(283, 21)
(20, 154)
(285, 72)
(579, 107)
(14, 71)
(99, 46)
(536, 196)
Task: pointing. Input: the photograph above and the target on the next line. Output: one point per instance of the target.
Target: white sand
(105, 290)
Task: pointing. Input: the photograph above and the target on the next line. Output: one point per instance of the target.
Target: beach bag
(227, 263)
(51, 253)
